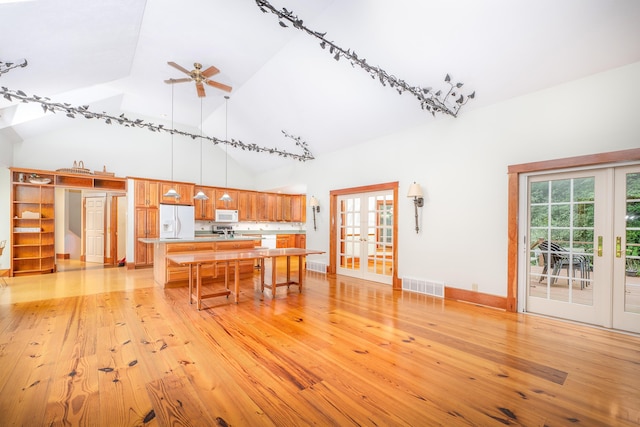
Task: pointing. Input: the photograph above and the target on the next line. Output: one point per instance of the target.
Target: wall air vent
(316, 266)
(422, 286)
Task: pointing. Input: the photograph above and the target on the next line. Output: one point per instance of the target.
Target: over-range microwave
(226, 215)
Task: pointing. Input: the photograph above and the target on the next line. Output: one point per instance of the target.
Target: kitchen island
(168, 274)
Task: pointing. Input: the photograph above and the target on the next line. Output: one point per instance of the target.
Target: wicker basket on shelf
(77, 168)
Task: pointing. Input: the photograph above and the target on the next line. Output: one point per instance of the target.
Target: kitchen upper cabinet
(146, 193)
(247, 205)
(285, 203)
(298, 208)
(272, 203)
(233, 204)
(262, 212)
(184, 190)
(204, 208)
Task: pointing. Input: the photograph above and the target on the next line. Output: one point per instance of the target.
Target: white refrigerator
(177, 222)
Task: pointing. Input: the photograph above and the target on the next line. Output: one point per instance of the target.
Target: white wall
(460, 163)
(462, 166)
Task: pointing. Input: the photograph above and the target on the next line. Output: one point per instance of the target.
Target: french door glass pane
(632, 238)
(349, 248)
(561, 226)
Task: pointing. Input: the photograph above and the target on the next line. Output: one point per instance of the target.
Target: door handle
(618, 246)
(599, 245)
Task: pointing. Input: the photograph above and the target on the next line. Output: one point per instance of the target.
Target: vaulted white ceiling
(112, 55)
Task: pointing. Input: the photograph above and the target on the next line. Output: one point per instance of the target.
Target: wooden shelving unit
(33, 216)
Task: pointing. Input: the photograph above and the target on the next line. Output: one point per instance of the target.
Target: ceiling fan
(199, 76)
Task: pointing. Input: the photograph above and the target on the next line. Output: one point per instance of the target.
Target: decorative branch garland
(84, 111)
(433, 102)
(5, 67)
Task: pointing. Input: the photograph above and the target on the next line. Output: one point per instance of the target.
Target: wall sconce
(315, 207)
(418, 199)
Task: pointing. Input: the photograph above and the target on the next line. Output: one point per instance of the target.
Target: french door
(583, 233)
(365, 238)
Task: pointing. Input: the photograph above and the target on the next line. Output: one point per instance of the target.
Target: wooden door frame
(514, 172)
(333, 227)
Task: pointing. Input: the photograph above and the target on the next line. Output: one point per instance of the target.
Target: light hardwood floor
(109, 348)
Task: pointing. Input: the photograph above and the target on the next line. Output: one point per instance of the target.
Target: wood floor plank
(111, 348)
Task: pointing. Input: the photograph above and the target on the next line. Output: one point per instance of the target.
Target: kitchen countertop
(255, 232)
(201, 238)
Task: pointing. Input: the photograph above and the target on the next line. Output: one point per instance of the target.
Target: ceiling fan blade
(220, 86)
(179, 67)
(211, 71)
(200, 89)
(172, 81)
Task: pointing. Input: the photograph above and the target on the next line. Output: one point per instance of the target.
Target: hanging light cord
(226, 137)
(171, 132)
(200, 141)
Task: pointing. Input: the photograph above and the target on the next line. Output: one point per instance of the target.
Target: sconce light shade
(415, 190)
(226, 197)
(313, 202)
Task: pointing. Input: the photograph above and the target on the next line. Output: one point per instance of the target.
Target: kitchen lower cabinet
(146, 223)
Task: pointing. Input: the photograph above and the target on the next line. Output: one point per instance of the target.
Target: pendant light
(201, 195)
(172, 192)
(226, 197)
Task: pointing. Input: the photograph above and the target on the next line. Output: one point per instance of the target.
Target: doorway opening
(90, 229)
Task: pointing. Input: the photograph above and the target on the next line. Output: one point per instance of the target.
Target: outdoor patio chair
(558, 258)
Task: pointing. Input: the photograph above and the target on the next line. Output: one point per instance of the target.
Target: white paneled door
(582, 240)
(94, 229)
(365, 236)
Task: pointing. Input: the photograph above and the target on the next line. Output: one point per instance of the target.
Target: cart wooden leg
(198, 287)
(288, 271)
(190, 283)
(236, 280)
(300, 275)
(274, 285)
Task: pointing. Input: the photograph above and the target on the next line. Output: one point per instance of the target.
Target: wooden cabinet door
(262, 214)
(146, 193)
(146, 225)
(282, 241)
(279, 204)
(247, 205)
(286, 207)
(298, 208)
(300, 241)
(272, 203)
(185, 193)
(204, 208)
(233, 204)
